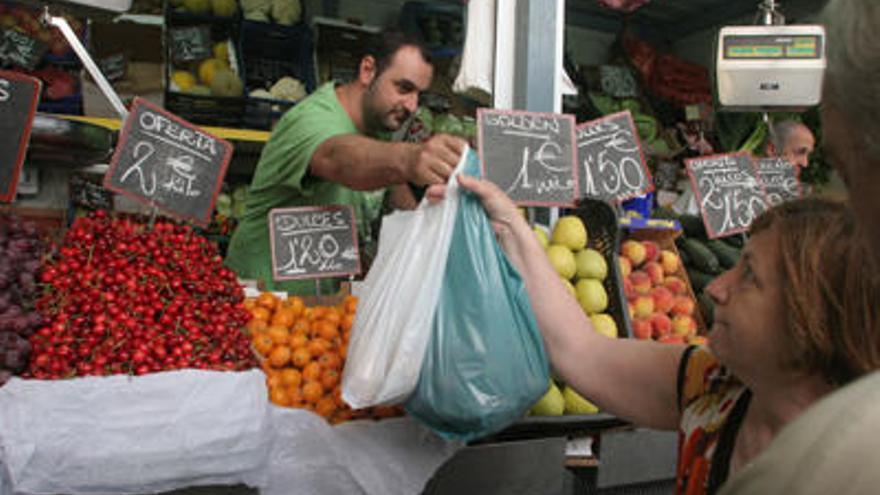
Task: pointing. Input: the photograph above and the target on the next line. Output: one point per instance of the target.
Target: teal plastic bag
(485, 364)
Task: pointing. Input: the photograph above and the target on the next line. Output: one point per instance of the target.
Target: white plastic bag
(394, 317)
(477, 71)
(127, 435)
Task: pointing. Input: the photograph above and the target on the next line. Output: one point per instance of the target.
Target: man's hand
(433, 161)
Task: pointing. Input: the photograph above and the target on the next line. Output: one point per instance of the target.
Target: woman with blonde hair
(794, 319)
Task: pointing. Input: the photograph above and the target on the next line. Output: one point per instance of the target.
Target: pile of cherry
(120, 296)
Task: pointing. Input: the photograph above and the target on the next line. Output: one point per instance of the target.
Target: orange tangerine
(279, 396)
(261, 313)
(329, 379)
(298, 340)
(301, 357)
(255, 326)
(267, 300)
(283, 317)
(330, 361)
(350, 304)
(291, 377)
(249, 303)
(312, 372)
(326, 329)
(296, 305)
(295, 395)
(301, 325)
(262, 343)
(279, 356)
(347, 322)
(325, 407)
(332, 315)
(273, 379)
(318, 346)
(278, 334)
(312, 392)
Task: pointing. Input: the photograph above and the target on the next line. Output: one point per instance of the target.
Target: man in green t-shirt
(324, 151)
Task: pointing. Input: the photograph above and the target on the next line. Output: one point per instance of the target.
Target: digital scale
(770, 68)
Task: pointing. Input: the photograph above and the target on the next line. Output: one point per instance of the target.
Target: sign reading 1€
(531, 156)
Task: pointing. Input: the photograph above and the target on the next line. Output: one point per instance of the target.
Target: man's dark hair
(386, 44)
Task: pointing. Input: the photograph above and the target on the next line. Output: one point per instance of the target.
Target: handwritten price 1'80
(738, 211)
(304, 252)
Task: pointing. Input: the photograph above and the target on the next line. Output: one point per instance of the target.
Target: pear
(591, 295)
(543, 240)
(575, 404)
(604, 324)
(570, 287)
(551, 404)
(562, 260)
(570, 232)
(591, 264)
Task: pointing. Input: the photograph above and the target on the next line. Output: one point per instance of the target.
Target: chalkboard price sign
(19, 95)
(531, 156)
(190, 43)
(166, 162)
(611, 164)
(728, 192)
(17, 48)
(313, 242)
(781, 179)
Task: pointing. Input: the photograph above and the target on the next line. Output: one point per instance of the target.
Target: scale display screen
(764, 47)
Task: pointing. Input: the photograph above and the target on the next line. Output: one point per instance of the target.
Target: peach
(631, 309)
(634, 251)
(644, 306)
(641, 328)
(628, 290)
(669, 261)
(698, 340)
(684, 325)
(660, 325)
(655, 271)
(671, 339)
(675, 285)
(641, 282)
(652, 250)
(625, 266)
(683, 306)
(663, 299)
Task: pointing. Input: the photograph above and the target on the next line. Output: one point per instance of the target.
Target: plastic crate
(267, 52)
(600, 218)
(206, 110)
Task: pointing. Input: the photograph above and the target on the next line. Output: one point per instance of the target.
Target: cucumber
(707, 308)
(683, 256)
(699, 280)
(693, 226)
(701, 256)
(727, 255)
(736, 241)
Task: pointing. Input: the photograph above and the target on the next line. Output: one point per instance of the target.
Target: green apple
(551, 404)
(562, 260)
(575, 404)
(570, 232)
(591, 295)
(569, 286)
(604, 324)
(590, 264)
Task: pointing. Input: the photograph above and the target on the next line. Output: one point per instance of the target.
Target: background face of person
(799, 146)
(747, 335)
(393, 96)
(845, 149)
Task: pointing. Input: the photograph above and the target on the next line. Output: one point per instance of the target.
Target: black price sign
(17, 48)
(190, 43)
(529, 155)
(313, 242)
(166, 162)
(611, 162)
(728, 192)
(781, 179)
(19, 95)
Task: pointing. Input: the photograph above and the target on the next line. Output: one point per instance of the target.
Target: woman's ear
(367, 70)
